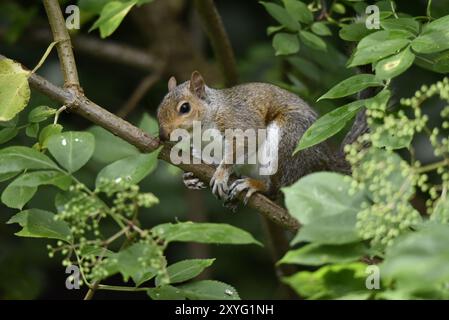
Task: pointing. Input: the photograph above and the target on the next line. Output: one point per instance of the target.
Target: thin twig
(213, 25)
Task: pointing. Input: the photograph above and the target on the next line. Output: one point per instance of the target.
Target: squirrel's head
(182, 105)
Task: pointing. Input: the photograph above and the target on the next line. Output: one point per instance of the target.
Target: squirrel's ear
(171, 83)
(197, 85)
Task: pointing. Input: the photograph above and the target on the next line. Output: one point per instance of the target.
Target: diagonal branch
(64, 46)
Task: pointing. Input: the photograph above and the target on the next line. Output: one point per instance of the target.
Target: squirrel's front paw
(248, 185)
(219, 183)
(192, 182)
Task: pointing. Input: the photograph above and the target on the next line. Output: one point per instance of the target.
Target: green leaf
(315, 254)
(376, 46)
(408, 24)
(282, 16)
(299, 11)
(18, 158)
(40, 114)
(393, 66)
(418, 260)
(436, 62)
(148, 124)
(321, 29)
(17, 197)
(332, 229)
(328, 125)
(354, 32)
(330, 282)
(440, 212)
(47, 132)
(15, 91)
(72, 149)
(285, 43)
(103, 142)
(379, 101)
(352, 85)
(38, 223)
(186, 270)
(7, 176)
(218, 233)
(137, 261)
(319, 195)
(273, 29)
(132, 169)
(7, 134)
(312, 40)
(10, 123)
(32, 130)
(96, 250)
(22, 189)
(441, 24)
(166, 293)
(111, 16)
(431, 41)
(391, 137)
(209, 290)
(339, 8)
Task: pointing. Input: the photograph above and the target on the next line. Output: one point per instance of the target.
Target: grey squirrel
(256, 106)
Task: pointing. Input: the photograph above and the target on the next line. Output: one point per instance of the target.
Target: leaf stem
(428, 9)
(120, 288)
(58, 112)
(44, 57)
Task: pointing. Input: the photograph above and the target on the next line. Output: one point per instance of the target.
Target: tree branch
(213, 25)
(81, 105)
(64, 46)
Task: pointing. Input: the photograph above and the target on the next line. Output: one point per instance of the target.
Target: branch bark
(213, 25)
(64, 46)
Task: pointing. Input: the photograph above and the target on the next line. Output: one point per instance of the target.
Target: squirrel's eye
(185, 108)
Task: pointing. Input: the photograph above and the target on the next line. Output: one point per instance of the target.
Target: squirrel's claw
(219, 184)
(242, 185)
(192, 182)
